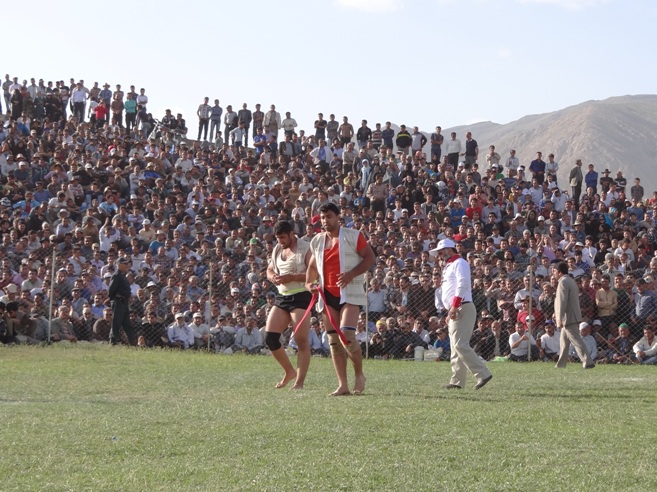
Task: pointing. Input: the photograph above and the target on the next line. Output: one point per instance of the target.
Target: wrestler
(287, 270)
(339, 259)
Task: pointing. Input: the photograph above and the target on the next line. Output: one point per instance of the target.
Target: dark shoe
(590, 366)
(483, 382)
(452, 387)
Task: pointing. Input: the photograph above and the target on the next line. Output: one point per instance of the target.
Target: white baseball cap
(444, 243)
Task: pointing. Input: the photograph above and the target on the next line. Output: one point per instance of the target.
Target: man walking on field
(567, 314)
(340, 257)
(287, 270)
(456, 292)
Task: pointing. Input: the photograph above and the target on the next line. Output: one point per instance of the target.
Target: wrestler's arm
(311, 274)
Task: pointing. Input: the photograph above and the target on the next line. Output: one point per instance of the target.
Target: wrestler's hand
(344, 279)
(283, 279)
(312, 287)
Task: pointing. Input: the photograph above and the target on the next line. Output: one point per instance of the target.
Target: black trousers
(78, 111)
(203, 128)
(121, 320)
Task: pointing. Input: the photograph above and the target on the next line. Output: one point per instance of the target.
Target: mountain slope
(619, 133)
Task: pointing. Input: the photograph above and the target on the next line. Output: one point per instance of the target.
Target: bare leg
(303, 355)
(282, 358)
(277, 321)
(349, 317)
(339, 357)
(340, 366)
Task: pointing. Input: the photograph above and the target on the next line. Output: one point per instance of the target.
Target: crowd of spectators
(88, 175)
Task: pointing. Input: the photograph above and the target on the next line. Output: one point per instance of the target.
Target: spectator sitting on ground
(520, 342)
(179, 334)
(549, 343)
(200, 329)
(589, 341)
(248, 339)
(620, 349)
(645, 349)
(61, 328)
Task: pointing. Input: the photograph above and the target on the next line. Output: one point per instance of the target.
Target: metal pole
(209, 302)
(53, 267)
(531, 303)
(367, 315)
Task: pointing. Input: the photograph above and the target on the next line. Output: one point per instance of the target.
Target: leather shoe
(590, 366)
(483, 382)
(452, 387)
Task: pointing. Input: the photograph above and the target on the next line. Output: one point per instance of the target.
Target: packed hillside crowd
(89, 176)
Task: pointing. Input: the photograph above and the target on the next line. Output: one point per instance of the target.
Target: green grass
(101, 418)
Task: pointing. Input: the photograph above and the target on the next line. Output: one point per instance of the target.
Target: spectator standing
(576, 178)
(363, 135)
(106, 96)
(568, 315)
(537, 168)
(79, 98)
(453, 150)
(203, 112)
(230, 122)
(637, 192)
(289, 124)
(418, 140)
(403, 140)
(272, 121)
(345, 131)
(591, 179)
(130, 108)
(436, 144)
(119, 294)
(245, 117)
(471, 153)
(388, 134)
(215, 119)
(258, 119)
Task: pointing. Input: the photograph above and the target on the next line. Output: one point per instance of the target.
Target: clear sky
(418, 62)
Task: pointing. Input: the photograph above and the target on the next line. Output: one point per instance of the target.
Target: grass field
(99, 418)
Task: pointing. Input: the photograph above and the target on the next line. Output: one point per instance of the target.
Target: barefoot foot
(359, 385)
(297, 386)
(288, 377)
(341, 392)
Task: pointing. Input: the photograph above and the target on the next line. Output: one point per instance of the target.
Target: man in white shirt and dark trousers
(456, 290)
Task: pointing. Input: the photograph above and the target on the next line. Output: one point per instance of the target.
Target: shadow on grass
(51, 401)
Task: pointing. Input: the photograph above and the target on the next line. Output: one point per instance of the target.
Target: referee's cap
(444, 243)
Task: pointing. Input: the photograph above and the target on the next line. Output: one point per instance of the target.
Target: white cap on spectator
(597, 322)
(583, 325)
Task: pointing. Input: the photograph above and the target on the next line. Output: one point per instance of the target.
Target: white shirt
(551, 343)
(199, 330)
(453, 146)
(513, 163)
(521, 350)
(591, 347)
(289, 124)
(456, 281)
(177, 333)
(79, 95)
